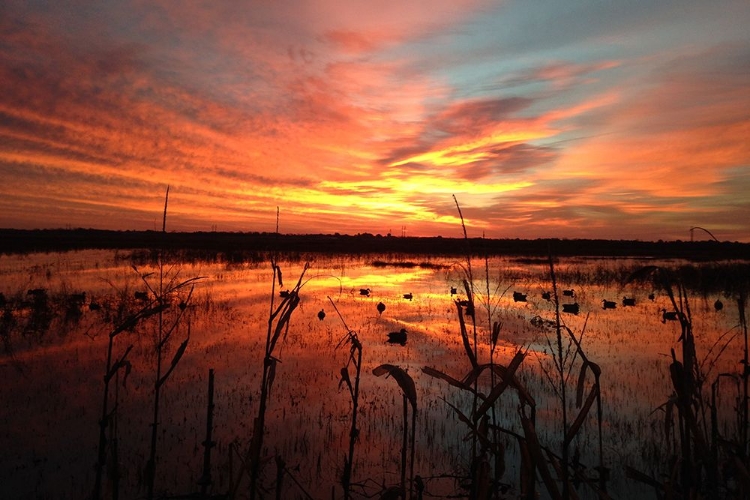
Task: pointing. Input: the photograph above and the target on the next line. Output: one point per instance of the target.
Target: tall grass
(278, 324)
(704, 463)
(355, 359)
(161, 297)
(406, 383)
(485, 428)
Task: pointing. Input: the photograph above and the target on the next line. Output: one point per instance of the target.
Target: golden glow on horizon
(355, 123)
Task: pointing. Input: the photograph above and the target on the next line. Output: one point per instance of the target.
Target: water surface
(55, 360)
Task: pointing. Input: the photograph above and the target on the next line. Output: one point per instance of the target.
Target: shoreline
(21, 241)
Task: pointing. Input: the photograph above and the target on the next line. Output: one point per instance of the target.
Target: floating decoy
(546, 296)
(398, 337)
(381, 307)
(408, 296)
(569, 293)
(628, 301)
(141, 296)
(321, 315)
(718, 305)
(519, 297)
(454, 291)
(668, 315)
(284, 293)
(608, 304)
(364, 291)
(571, 308)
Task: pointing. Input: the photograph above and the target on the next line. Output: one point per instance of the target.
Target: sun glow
(473, 151)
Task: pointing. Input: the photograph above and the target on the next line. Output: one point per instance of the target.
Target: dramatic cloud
(564, 120)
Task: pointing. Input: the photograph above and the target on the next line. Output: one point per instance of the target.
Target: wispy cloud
(574, 120)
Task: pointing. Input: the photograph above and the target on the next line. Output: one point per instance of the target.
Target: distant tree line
(63, 240)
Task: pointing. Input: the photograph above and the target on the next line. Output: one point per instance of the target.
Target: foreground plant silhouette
(704, 463)
(355, 359)
(166, 289)
(564, 353)
(483, 425)
(406, 383)
(160, 299)
(112, 368)
(278, 324)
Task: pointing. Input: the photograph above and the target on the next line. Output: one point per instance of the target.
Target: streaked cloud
(545, 120)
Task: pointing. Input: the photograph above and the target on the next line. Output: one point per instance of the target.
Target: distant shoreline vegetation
(228, 245)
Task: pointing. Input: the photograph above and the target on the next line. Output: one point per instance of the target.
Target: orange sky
(544, 119)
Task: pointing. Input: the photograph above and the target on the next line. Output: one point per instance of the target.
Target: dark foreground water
(56, 351)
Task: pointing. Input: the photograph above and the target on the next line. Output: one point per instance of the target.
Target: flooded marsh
(59, 310)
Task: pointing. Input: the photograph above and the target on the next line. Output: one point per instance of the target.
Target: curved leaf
(582, 414)
(508, 379)
(580, 387)
(432, 372)
(404, 381)
(465, 336)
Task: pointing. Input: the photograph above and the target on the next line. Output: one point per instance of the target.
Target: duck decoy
(381, 307)
(569, 293)
(571, 308)
(668, 315)
(628, 301)
(519, 297)
(364, 291)
(321, 315)
(608, 304)
(718, 305)
(454, 290)
(546, 296)
(398, 337)
(408, 296)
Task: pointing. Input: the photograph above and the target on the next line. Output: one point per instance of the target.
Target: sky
(609, 119)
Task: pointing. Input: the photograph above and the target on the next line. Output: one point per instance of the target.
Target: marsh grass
(484, 480)
(223, 333)
(355, 360)
(406, 383)
(704, 462)
(278, 324)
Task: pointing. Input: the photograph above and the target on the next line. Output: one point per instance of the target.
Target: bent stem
(356, 348)
(278, 324)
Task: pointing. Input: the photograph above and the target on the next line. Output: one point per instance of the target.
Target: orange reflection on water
(55, 380)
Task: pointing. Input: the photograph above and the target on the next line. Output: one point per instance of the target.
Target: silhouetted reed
(704, 463)
(355, 359)
(278, 324)
(406, 383)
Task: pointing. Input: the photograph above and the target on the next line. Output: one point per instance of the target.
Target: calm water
(53, 366)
